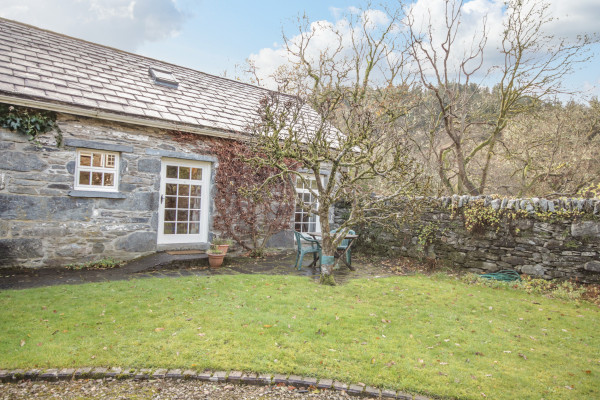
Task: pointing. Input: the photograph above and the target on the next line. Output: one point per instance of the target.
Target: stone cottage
(119, 185)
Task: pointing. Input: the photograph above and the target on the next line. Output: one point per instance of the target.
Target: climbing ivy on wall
(252, 203)
(29, 122)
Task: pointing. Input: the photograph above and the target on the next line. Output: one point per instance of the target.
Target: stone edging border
(237, 377)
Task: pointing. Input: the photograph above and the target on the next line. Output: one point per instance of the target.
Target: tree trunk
(327, 256)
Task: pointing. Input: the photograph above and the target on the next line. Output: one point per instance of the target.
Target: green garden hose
(506, 275)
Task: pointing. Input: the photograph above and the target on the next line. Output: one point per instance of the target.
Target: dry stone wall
(539, 237)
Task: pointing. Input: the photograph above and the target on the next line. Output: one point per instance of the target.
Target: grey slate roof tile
(59, 69)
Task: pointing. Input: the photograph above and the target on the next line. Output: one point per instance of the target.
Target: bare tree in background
(463, 132)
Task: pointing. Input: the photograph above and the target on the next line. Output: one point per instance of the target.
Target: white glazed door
(184, 197)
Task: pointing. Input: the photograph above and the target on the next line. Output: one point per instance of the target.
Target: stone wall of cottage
(547, 239)
(41, 225)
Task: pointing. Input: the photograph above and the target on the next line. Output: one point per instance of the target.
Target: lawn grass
(432, 335)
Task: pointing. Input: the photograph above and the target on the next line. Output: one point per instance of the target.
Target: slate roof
(45, 66)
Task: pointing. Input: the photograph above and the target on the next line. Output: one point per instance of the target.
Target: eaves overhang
(116, 117)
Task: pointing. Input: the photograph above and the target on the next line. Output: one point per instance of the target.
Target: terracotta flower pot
(215, 260)
(223, 248)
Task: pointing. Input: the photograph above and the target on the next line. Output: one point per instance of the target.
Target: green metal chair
(344, 245)
(313, 247)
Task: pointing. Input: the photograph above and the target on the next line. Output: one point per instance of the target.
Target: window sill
(97, 194)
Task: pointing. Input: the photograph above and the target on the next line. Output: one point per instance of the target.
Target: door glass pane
(194, 229)
(182, 228)
(97, 160)
(169, 229)
(184, 190)
(197, 174)
(170, 202)
(84, 178)
(195, 202)
(196, 190)
(171, 171)
(184, 172)
(195, 215)
(183, 202)
(171, 189)
(170, 215)
(97, 178)
(85, 159)
(182, 215)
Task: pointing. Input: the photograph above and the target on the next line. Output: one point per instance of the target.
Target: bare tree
(463, 131)
(340, 125)
(551, 152)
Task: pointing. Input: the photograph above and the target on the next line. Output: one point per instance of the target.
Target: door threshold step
(184, 252)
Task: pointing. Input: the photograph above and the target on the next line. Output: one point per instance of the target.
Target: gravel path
(156, 390)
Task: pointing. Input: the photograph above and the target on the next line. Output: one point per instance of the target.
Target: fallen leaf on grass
(22, 343)
(159, 329)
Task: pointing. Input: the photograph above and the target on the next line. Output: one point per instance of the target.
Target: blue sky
(215, 36)
(218, 34)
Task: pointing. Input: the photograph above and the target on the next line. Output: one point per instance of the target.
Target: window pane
(85, 159)
(196, 190)
(109, 179)
(182, 215)
(97, 160)
(110, 160)
(184, 190)
(84, 178)
(171, 189)
(97, 178)
(313, 184)
(194, 229)
(195, 202)
(184, 173)
(171, 171)
(182, 229)
(170, 202)
(169, 229)
(197, 174)
(183, 202)
(195, 215)
(169, 215)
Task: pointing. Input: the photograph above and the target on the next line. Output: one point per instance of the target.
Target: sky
(217, 37)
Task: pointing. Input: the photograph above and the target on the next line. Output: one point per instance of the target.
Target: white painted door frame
(184, 201)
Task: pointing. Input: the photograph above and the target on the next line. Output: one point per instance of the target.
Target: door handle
(161, 198)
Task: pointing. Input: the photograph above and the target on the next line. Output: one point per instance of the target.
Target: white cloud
(325, 38)
(570, 19)
(125, 24)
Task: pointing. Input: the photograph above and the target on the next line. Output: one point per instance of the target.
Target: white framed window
(97, 170)
(304, 220)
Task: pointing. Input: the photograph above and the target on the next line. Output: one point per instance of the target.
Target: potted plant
(222, 244)
(215, 257)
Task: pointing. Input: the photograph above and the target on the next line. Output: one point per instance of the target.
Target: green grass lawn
(432, 335)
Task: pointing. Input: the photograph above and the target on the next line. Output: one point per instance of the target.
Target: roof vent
(163, 77)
